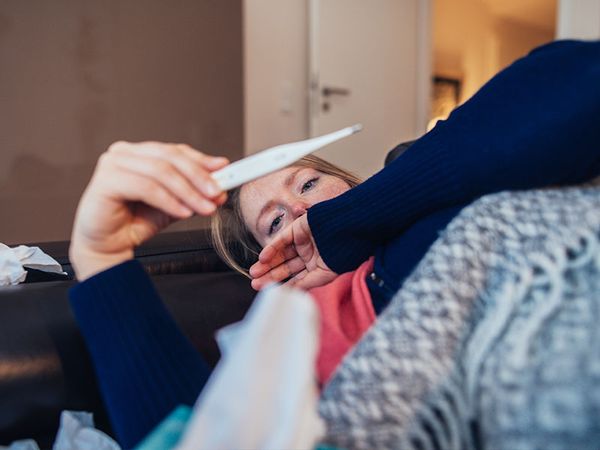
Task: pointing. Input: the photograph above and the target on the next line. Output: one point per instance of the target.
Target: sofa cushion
(45, 368)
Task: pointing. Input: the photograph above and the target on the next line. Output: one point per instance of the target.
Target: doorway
(369, 63)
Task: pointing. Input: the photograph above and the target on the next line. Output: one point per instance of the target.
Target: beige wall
(472, 43)
(276, 72)
(76, 75)
(515, 39)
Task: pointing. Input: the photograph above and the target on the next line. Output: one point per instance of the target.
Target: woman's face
(272, 202)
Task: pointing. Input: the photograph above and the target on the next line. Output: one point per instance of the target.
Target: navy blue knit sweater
(536, 123)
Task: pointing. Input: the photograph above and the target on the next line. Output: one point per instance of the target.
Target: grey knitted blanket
(493, 341)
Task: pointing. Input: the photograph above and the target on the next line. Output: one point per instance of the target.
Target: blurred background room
(231, 77)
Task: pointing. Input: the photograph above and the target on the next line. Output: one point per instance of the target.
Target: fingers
(283, 257)
(311, 279)
(271, 257)
(168, 178)
(178, 169)
(274, 254)
(296, 280)
(279, 273)
(211, 163)
(138, 188)
(195, 165)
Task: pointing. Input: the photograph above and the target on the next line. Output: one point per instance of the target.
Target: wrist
(87, 262)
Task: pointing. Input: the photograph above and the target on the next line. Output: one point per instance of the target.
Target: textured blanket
(494, 340)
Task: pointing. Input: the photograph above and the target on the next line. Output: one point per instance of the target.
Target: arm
(136, 191)
(145, 366)
(534, 124)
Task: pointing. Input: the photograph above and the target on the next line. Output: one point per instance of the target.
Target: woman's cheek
(337, 189)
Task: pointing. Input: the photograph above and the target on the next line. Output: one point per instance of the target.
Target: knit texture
(493, 339)
(534, 124)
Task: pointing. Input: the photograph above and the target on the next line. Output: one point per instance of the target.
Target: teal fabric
(168, 433)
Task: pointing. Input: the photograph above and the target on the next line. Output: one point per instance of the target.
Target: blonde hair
(234, 242)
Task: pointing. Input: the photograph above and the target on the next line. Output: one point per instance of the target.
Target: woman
(534, 124)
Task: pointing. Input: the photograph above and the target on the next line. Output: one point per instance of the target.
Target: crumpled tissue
(76, 432)
(263, 393)
(24, 444)
(14, 260)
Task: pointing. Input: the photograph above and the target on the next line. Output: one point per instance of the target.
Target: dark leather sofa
(44, 366)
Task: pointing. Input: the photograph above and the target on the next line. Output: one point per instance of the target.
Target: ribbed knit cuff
(533, 124)
(348, 228)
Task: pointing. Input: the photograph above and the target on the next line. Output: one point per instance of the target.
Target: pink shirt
(346, 313)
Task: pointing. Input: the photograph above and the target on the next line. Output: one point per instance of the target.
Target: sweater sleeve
(534, 124)
(145, 366)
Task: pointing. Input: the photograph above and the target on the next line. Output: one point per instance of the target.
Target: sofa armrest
(166, 253)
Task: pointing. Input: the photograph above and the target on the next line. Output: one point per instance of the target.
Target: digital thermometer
(275, 158)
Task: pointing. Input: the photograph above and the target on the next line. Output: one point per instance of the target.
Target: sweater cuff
(349, 228)
(125, 285)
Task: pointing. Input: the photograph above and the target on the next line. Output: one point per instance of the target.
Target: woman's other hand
(138, 189)
(294, 255)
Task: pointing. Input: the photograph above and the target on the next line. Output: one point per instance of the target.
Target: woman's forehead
(271, 183)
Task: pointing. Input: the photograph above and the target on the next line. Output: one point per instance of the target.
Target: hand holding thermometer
(275, 158)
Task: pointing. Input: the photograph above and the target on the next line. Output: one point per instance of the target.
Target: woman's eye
(309, 184)
(275, 224)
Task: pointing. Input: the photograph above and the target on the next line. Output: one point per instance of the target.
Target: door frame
(423, 65)
(578, 20)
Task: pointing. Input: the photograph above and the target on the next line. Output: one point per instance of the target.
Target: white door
(578, 20)
(369, 64)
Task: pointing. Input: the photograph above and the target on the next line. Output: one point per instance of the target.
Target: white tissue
(263, 393)
(25, 444)
(14, 260)
(77, 432)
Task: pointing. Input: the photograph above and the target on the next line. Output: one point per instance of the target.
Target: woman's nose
(299, 209)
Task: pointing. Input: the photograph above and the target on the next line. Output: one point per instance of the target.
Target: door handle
(331, 90)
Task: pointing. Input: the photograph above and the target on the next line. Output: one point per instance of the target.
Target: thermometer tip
(356, 128)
